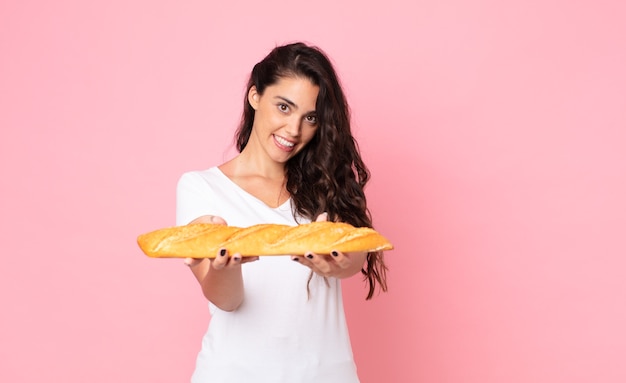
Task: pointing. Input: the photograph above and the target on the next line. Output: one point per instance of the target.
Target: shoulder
(199, 178)
(197, 194)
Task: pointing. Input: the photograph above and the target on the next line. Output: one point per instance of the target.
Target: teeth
(284, 142)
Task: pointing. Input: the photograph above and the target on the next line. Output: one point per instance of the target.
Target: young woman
(281, 319)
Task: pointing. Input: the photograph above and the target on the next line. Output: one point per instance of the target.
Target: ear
(253, 97)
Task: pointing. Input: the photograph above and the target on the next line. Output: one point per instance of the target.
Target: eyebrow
(288, 101)
(291, 103)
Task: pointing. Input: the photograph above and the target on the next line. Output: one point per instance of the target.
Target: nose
(294, 127)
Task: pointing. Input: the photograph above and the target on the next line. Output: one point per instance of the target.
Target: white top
(278, 334)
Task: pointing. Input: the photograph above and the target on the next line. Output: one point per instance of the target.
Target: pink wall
(495, 132)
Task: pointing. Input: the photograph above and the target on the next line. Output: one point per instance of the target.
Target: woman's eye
(311, 120)
(283, 108)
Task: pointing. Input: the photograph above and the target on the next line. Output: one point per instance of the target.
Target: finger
(218, 220)
(340, 259)
(322, 217)
(301, 259)
(221, 260)
(235, 260)
(318, 262)
(249, 259)
(209, 219)
(304, 261)
(191, 262)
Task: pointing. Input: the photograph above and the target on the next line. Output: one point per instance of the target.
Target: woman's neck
(267, 184)
(248, 164)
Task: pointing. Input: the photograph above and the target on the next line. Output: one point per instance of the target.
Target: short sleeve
(193, 198)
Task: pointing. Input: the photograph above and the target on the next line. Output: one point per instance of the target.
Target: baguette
(204, 240)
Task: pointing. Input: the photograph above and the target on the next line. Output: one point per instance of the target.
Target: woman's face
(285, 119)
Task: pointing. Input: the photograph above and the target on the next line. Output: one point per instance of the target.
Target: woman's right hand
(222, 259)
(192, 262)
(220, 277)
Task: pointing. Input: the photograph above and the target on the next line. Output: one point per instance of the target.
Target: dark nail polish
(334, 253)
(222, 252)
(310, 256)
(295, 259)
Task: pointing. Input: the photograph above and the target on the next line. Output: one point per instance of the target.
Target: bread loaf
(204, 240)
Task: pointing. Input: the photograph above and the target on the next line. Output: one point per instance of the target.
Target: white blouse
(278, 334)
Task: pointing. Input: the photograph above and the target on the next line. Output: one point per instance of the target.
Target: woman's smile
(283, 143)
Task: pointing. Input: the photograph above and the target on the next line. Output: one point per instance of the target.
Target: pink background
(495, 132)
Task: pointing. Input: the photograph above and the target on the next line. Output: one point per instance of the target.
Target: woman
(281, 319)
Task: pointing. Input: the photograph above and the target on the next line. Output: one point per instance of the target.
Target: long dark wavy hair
(327, 175)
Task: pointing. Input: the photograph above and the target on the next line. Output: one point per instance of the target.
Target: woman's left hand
(336, 264)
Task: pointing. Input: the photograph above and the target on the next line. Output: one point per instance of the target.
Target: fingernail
(295, 259)
(310, 256)
(236, 259)
(222, 252)
(334, 253)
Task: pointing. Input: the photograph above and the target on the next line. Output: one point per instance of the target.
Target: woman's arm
(220, 278)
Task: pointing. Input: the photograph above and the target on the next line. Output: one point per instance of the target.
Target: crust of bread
(205, 240)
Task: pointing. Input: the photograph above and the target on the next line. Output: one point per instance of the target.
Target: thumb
(218, 220)
(322, 217)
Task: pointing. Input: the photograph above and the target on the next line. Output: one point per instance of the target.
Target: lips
(283, 143)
